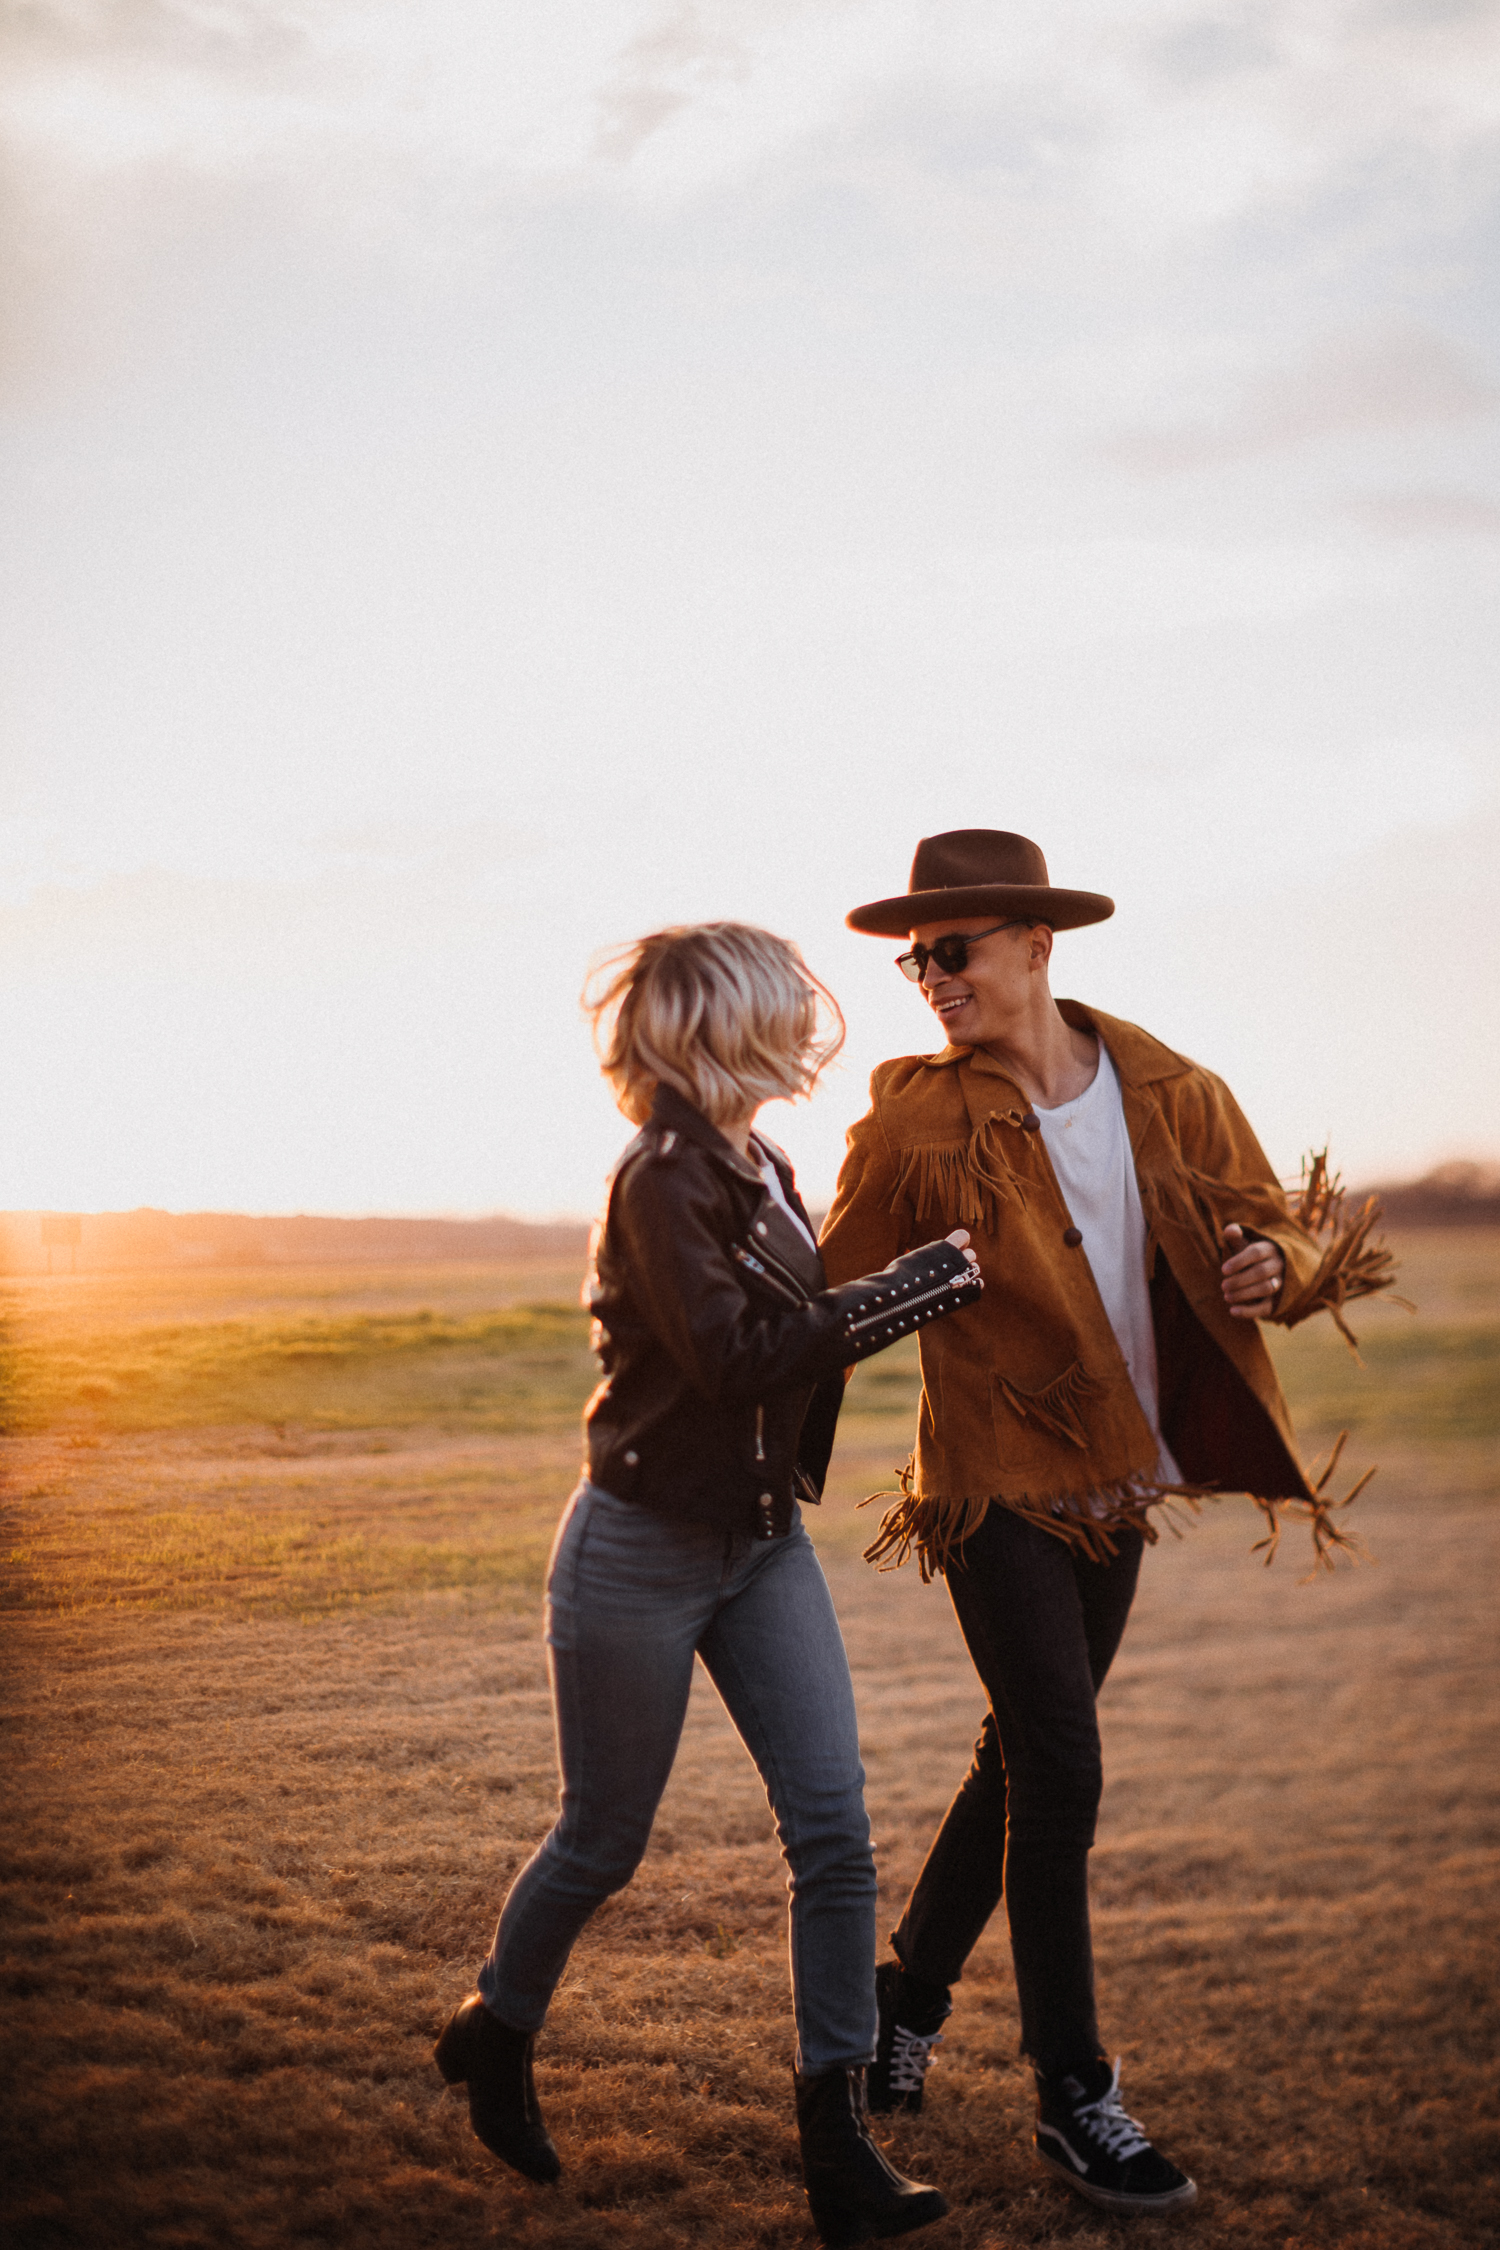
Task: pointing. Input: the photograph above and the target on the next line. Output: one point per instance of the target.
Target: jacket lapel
(769, 1228)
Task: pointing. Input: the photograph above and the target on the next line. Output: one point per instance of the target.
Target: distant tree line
(1460, 1194)
(115, 1241)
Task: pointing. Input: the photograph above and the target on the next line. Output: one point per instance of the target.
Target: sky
(485, 481)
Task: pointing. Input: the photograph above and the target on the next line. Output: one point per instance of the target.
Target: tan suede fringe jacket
(1026, 1399)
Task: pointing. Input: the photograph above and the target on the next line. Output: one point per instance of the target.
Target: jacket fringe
(1055, 1407)
(964, 1182)
(934, 1526)
(1353, 1264)
(1185, 1197)
(1330, 1539)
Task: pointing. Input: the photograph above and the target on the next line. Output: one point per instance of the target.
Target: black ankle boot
(856, 2196)
(477, 2047)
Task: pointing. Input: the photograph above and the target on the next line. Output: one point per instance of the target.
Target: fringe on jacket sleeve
(1354, 1261)
(1330, 1539)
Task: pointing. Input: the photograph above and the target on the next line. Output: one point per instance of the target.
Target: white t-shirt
(772, 1178)
(1090, 1151)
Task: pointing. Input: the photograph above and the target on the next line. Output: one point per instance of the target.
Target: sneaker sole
(1107, 2199)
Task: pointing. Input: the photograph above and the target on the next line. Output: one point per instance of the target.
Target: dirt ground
(269, 1772)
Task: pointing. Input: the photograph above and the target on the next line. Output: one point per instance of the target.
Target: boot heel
(451, 2054)
(836, 2228)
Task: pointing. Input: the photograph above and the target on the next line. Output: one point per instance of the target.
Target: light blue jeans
(632, 1598)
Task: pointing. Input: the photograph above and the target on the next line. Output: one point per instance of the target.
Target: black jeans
(1042, 1626)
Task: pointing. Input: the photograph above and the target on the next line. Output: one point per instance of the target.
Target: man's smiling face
(982, 1000)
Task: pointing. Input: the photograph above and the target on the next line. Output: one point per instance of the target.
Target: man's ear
(1039, 948)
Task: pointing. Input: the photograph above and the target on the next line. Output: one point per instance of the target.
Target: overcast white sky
(484, 480)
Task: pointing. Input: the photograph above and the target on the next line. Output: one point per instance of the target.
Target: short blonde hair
(725, 1014)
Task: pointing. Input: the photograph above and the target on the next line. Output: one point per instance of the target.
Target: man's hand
(1252, 1276)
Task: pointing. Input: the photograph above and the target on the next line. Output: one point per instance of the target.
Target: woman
(723, 1356)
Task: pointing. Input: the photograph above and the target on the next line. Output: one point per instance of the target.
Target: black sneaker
(904, 2049)
(1084, 2136)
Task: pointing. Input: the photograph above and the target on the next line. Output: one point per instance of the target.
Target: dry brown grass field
(277, 1737)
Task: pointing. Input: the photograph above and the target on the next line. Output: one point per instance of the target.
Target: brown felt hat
(979, 871)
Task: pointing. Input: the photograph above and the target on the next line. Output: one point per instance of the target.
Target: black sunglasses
(950, 953)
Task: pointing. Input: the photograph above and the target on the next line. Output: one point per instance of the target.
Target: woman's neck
(736, 1130)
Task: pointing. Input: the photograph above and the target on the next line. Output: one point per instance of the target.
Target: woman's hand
(960, 1241)
(1252, 1276)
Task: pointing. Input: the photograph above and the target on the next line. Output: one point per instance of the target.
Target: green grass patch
(526, 1367)
(1429, 1382)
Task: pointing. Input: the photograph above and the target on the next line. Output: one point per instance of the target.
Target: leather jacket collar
(671, 1112)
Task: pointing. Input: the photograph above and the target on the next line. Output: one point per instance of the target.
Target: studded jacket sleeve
(737, 1334)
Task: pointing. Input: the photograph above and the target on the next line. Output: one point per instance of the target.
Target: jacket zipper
(783, 1272)
(773, 1280)
(909, 1304)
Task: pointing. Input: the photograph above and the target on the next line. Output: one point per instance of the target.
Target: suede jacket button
(1072, 1237)
(1031, 1123)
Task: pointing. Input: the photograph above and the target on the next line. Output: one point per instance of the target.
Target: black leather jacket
(722, 1346)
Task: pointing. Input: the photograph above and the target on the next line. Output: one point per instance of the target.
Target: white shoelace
(1106, 2122)
(911, 2059)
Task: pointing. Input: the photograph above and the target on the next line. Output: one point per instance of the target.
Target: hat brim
(1033, 902)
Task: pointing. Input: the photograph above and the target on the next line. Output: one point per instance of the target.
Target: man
(1132, 1235)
